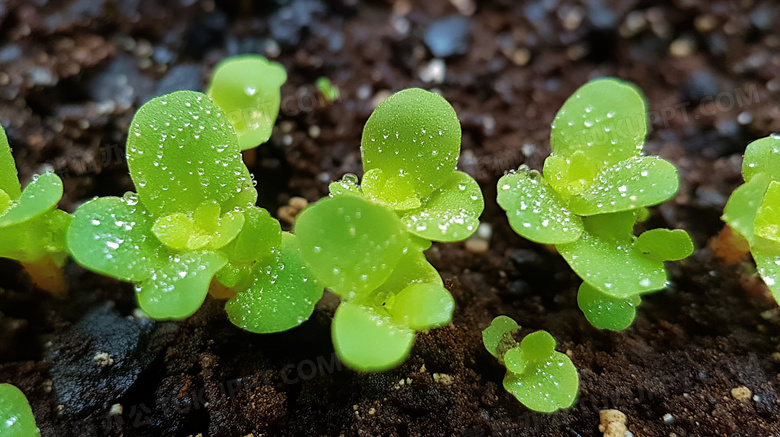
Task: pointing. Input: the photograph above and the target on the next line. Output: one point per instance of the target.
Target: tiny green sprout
(753, 210)
(192, 223)
(16, 416)
(366, 242)
(247, 89)
(596, 186)
(541, 378)
(329, 91)
(33, 228)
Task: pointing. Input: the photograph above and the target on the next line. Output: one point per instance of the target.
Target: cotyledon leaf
(742, 206)
(178, 286)
(412, 268)
(16, 416)
(605, 311)
(182, 151)
(767, 256)
(9, 180)
(451, 213)
(113, 236)
(605, 118)
(414, 134)
(393, 191)
(767, 224)
(39, 196)
(497, 337)
(423, 306)
(548, 381)
(351, 244)
(368, 341)
(615, 268)
(247, 88)
(762, 156)
(631, 184)
(665, 244)
(534, 209)
(281, 297)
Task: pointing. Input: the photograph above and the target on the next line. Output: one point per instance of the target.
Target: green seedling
(247, 89)
(366, 242)
(596, 186)
(753, 210)
(16, 416)
(328, 90)
(32, 228)
(193, 224)
(539, 377)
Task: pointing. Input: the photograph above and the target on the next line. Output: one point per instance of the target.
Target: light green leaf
(9, 180)
(281, 297)
(367, 341)
(247, 88)
(346, 185)
(742, 206)
(182, 152)
(665, 244)
(605, 311)
(39, 196)
(630, 184)
(605, 118)
(534, 209)
(16, 416)
(259, 237)
(549, 380)
(451, 213)
(614, 267)
(412, 268)
(762, 156)
(767, 256)
(394, 191)
(570, 175)
(351, 244)
(497, 337)
(767, 224)
(178, 285)
(414, 134)
(423, 306)
(113, 236)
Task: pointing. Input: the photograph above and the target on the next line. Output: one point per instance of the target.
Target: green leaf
(113, 236)
(347, 185)
(497, 337)
(605, 311)
(16, 416)
(451, 213)
(259, 237)
(614, 267)
(412, 268)
(767, 224)
(39, 196)
(32, 240)
(423, 306)
(351, 244)
(393, 191)
(665, 244)
(179, 285)
(631, 184)
(762, 156)
(182, 152)
(367, 341)
(742, 206)
(9, 180)
(281, 297)
(204, 229)
(605, 118)
(767, 256)
(549, 380)
(534, 209)
(570, 175)
(247, 88)
(414, 134)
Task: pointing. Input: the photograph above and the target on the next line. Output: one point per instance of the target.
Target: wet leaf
(605, 311)
(39, 196)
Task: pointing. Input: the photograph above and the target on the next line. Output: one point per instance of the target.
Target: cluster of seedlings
(192, 227)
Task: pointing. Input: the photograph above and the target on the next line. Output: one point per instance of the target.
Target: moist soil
(72, 74)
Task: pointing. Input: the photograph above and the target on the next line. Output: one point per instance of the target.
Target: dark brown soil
(73, 71)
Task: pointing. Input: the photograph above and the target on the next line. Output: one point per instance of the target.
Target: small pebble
(448, 36)
(116, 410)
(484, 231)
(741, 393)
(380, 97)
(477, 245)
(442, 378)
(681, 47)
(434, 72)
(668, 419)
(314, 131)
(613, 423)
